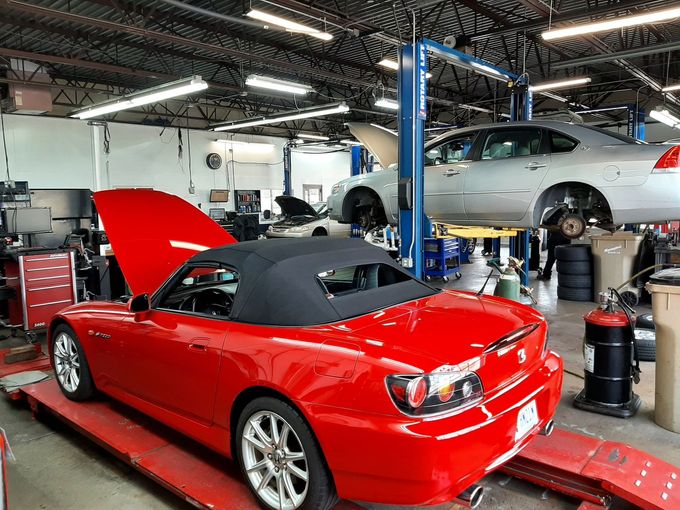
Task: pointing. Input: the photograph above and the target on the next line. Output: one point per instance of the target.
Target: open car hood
(153, 233)
(382, 144)
(291, 206)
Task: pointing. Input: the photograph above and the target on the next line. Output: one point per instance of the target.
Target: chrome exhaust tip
(471, 497)
(548, 429)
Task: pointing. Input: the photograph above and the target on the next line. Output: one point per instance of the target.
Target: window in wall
(560, 142)
(452, 150)
(511, 143)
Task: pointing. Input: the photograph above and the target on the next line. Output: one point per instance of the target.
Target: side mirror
(140, 303)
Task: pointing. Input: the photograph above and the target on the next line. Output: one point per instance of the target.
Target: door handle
(535, 165)
(199, 344)
(449, 173)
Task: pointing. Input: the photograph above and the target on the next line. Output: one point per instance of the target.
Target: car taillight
(443, 391)
(669, 162)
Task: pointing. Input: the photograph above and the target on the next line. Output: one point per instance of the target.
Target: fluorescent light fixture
(251, 145)
(613, 24)
(351, 142)
(475, 108)
(384, 129)
(671, 88)
(392, 64)
(286, 116)
(265, 82)
(556, 97)
(289, 25)
(560, 84)
(152, 95)
(664, 116)
(390, 104)
(310, 136)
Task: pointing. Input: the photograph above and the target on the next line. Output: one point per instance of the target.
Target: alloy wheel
(67, 362)
(275, 461)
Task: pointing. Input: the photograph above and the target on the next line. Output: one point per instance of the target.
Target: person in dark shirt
(555, 238)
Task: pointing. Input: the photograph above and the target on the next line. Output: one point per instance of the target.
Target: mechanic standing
(555, 238)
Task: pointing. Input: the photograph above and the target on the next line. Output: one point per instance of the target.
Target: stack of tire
(574, 272)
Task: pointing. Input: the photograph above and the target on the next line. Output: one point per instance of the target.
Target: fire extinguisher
(612, 364)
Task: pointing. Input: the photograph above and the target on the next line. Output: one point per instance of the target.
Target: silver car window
(452, 150)
(511, 143)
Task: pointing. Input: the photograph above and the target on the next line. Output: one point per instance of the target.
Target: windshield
(613, 134)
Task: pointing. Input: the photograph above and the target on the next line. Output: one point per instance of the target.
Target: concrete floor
(57, 469)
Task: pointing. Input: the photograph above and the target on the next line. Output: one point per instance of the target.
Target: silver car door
(501, 183)
(446, 166)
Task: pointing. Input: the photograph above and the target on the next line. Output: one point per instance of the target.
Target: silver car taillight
(439, 392)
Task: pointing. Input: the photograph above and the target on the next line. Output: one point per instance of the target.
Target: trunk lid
(292, 206)
(152, 233)
(457, 328)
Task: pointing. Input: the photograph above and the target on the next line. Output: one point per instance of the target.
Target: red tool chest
(44, 284)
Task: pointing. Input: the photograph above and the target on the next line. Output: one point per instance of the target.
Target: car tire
(580, 267)
(568, 294)
(573, 252)
(574, 281)
(70, 365)
(254, 440)
(319, 232)
(645, 321)
(646, 344)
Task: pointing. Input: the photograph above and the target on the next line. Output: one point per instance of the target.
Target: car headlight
(435, 393)
(335, 188)
(303, 228)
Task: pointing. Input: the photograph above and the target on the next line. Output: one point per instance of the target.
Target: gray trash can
(614, 257)
(665, 289)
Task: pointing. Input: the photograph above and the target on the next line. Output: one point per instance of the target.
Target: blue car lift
(412, 96)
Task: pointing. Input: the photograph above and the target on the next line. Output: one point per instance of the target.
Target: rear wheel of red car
(70, 365)
(280, 459)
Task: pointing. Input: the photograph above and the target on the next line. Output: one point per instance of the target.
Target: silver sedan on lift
(521, 174)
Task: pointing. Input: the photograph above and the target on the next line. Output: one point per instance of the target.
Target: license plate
(527, 419)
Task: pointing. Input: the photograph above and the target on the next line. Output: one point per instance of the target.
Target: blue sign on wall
(422, 82)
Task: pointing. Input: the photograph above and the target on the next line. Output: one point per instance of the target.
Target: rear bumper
(408, 461)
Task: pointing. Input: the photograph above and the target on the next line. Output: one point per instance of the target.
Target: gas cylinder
(508, 285)
(610, 368)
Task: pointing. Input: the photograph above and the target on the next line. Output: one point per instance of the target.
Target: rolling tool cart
(442, 258)
(44, 282)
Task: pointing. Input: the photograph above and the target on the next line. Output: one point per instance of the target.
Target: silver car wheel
(275, 461)
(67, 362)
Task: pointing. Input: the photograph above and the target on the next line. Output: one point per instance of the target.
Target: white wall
(57, 153)
(325, 168)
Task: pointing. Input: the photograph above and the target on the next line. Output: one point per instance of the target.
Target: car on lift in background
(552, 174)
(322, 367)
(301, 219)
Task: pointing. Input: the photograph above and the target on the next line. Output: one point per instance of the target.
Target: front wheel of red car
(70, 365)
(280, 459)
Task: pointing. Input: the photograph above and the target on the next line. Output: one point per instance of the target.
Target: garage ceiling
(96, 49)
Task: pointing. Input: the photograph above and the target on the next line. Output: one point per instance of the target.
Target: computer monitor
(28, 220)
(219, 195)
(217, 214)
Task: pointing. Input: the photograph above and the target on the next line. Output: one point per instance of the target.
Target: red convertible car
(319, 365)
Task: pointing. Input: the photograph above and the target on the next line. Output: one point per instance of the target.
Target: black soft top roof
(278, 283)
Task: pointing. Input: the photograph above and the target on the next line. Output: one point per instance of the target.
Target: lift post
(286, 170)
(412, 96)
